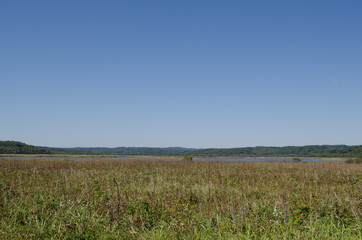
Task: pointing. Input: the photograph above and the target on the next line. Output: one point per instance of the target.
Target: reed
(47, 199)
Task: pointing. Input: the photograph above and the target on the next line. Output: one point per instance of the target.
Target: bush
(355, 161)
(187, 158)
(296, 159)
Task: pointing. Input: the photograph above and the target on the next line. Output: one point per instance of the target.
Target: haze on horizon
(205, 74)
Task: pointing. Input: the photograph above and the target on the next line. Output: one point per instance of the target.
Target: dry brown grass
(178, 199)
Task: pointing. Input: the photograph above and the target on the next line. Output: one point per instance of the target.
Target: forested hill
(290, 151)
(12, 147)
(121, 150)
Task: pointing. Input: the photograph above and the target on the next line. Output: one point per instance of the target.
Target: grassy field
(179, 200)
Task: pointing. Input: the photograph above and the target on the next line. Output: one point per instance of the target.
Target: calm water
(173, 159)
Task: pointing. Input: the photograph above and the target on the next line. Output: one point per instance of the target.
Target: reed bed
(48, 199)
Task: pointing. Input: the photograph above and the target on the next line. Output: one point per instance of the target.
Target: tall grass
(42, 199)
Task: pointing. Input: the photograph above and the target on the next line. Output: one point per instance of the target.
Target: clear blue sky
(181, 73)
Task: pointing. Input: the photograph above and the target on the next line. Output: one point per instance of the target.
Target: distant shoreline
(166, 156)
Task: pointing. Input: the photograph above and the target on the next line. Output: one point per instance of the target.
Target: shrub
(355, 161)
(296, 159)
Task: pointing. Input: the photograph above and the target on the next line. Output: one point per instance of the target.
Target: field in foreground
(42, 199)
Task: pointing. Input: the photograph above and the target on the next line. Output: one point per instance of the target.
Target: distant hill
(289, 151)
(12, 147)
(121, 150)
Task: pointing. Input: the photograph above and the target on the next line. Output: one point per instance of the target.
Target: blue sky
(181, 73)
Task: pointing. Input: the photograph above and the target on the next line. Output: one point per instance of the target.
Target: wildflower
(275, 212)
(31, 212)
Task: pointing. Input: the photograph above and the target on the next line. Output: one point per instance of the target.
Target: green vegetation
(12, 147)
(121, 150)
(355, 161)
(187, 158)
(179, 200)
(291, 151)
(296, 159)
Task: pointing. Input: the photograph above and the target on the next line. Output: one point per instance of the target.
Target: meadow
(49, 199)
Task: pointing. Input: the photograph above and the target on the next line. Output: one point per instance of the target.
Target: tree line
(13, 147)
(289, 151)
